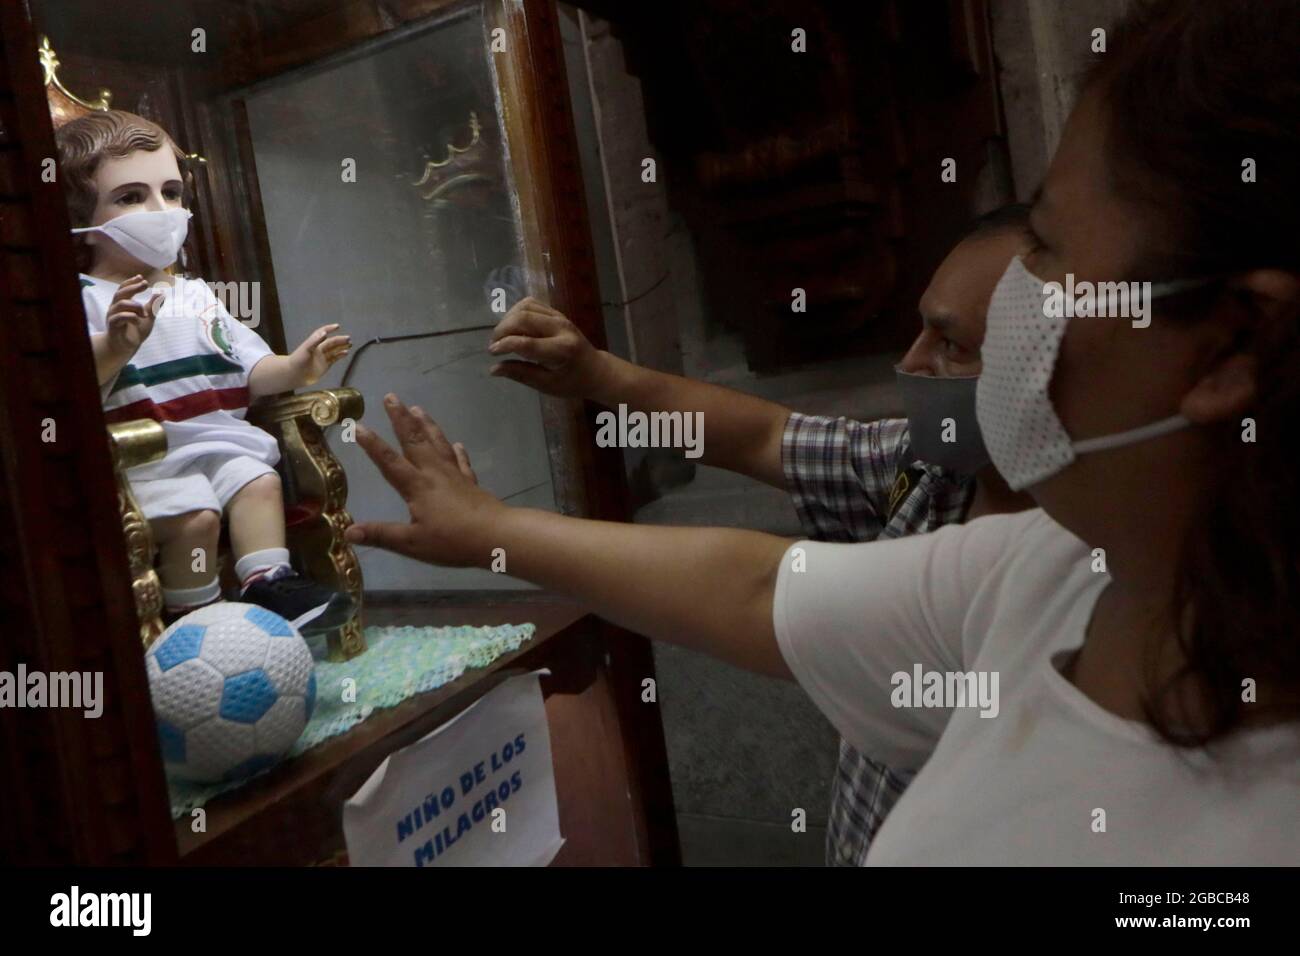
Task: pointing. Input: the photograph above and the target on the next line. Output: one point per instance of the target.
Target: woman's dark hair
(1190, 91)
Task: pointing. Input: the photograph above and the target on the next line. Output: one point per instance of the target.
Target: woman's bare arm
(710, 589)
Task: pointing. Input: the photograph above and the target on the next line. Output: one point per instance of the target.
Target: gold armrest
(324, 407)
(314, 475)
(136, 442)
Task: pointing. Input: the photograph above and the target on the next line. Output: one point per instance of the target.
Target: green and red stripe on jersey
(175, 370)
(182, 407)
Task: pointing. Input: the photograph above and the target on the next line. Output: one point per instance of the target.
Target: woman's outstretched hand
(451, 516)
(706, 588)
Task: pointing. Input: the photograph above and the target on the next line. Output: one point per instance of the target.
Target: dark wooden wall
(817, 170)
(72, 789)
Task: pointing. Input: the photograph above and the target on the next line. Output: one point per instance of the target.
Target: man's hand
(129, 322)
(451, 516)
(561, 361)
(745, 432)
(318, 352)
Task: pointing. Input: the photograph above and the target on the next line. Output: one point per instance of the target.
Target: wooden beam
(88, 790)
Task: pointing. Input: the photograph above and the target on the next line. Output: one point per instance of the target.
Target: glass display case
(408, 171)
(426, 238)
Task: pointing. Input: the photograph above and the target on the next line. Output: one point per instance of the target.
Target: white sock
(190, 598)
(254, 565)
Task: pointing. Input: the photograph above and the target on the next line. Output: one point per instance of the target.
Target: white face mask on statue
(1025, 439)
(155, 238)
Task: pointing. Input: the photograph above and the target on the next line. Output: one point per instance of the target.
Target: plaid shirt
(855, 481)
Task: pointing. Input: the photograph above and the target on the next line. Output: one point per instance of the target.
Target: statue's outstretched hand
(318, 352)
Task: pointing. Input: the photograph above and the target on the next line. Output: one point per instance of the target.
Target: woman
(1138, 633)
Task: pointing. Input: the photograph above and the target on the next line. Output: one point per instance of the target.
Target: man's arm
(741, 433)
(710, 589)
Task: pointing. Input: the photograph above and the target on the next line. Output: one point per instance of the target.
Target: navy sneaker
(310, 607)
(171, 616)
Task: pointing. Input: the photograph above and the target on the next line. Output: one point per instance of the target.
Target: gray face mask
(941, 420)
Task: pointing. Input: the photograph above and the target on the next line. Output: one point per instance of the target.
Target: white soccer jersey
(190, 374)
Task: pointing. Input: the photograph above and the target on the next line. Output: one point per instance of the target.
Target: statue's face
(146, 180)
(142, 181)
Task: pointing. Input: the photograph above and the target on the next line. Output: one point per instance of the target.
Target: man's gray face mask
(941, 420)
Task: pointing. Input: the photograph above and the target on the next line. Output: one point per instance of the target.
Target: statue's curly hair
(85, 142)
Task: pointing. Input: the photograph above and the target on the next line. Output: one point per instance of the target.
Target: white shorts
(208, 484)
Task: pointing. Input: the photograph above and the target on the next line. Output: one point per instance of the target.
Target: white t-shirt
(1012, 595)
(190, 374)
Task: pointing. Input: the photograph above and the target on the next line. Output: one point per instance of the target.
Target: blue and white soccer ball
(233, 686)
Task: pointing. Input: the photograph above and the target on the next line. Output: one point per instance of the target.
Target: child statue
(166, 348)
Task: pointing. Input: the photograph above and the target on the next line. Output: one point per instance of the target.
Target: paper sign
(478, 791)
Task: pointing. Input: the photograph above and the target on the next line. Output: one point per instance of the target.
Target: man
(849, 481)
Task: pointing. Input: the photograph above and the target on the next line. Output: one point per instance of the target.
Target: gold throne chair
(315, 485)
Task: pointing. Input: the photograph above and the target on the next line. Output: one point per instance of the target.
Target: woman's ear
(1227, 389)
(1273, 293)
